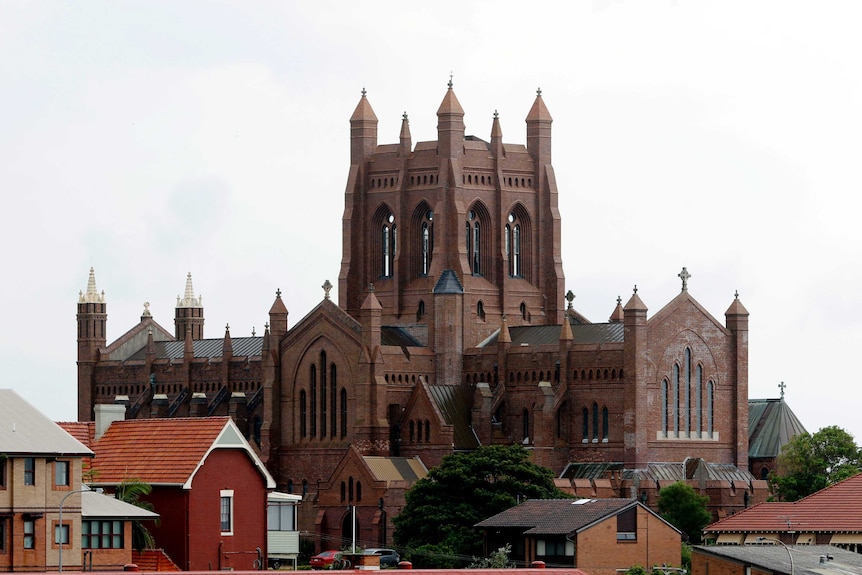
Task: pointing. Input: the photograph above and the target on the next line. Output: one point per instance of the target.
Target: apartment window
(29, 534)
(61, 473)
(627, 525)
(61, 534)
(29, 471)
(281, 517)
(2, 534)
(226, 512)
(102, 534)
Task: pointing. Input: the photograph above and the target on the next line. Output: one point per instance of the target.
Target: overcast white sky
(149, 139)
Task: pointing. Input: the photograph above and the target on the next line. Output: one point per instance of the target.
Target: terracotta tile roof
(556, 516)
(151, 560)
(842, 500)
(156, 451)
(83, 431)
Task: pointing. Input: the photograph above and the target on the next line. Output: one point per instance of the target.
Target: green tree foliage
(463, 490)
(682, 507)
(808, 463)
(499, 559)
(130, 491)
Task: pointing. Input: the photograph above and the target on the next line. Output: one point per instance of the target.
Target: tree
(499, 559)
(463, 490)
(808, 463)
(130, 491)
(683, 508)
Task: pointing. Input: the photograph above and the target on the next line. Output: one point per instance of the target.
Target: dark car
(324, 559)
(388, 557)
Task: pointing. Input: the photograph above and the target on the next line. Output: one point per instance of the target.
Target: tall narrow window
(585, 430)
(313, 400)
(29, 471)
(595, 422)
(426, 248)
(412, 427)
(664, 407)
(333, 393)
(343, 412)
(710, 394)
(688, 392)
(322, 394)
(29, 534)
(226, 512)
(387, 257)
(605, 424)
(675, 404)
(698, 399)
(303, 415)
(61, 473)
(427, 431)
(525, 417)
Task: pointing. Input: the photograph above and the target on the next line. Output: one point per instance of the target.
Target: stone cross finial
(496, 115)
(252, 331)
(781, 386)
(327, 287)
(570, 297)
(450, 79)
(227, 327)
(684, 275)
(147, 309)
(278, 292)
(363, 91)
(538, 91)
(619, 300)
(636, 288)
(736, 294)
(404, 116)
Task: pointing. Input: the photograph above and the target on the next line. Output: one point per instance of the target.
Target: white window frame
(226, 494)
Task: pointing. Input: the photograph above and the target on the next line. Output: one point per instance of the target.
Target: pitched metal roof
(208, 348)
(843, 501)
(397, 336)
(550, 334)
(660, 471)
(771, 425)
(100, 506)
(448, 283)
(455, 403)
(24, 430)
(776, 558)
(556, 516)
(396, 468)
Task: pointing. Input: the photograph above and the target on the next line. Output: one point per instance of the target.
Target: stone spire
(539, 131)
(405, 139)
(450, 126)
(189, 299)
(92, 295)
(496, 136)
(363, 131)
(189, 313)
(617, 315)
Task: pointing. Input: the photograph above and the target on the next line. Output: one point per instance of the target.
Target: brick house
(209, 487)
(598, 536)
(831, 516)
(453, 329)
(40, 469)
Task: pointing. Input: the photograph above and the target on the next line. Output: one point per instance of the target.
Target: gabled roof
(771, 425)
(843, 501)
(26, 431)
(208, 348)
(165, 451)
(684, 298)
(558, 516)
(454, 403)
(550, 334)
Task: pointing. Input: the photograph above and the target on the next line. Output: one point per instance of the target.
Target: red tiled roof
(837, 508)
(83, 431)
(150, 560)
(155, 451)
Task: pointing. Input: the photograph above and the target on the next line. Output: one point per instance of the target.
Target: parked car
(325, 559)
(388, 557)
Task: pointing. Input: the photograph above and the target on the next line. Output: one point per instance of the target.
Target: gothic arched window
(302, 414)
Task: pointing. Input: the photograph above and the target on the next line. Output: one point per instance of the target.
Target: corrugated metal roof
(776, 558)
(771, 425)
(455, 402)
(24, 430)
(209, 348)
(100, 506)
(550, 334)
(396, 468)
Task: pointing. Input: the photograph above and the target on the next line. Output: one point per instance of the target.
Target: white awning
(729, 539)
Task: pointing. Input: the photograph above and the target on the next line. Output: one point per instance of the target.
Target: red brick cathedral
(452, 330)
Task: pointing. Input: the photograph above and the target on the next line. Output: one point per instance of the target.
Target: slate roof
(660, 471)
(397, 336)
(557, 516)
(203, 348)
(835, 509)
(448, 283)
(771, 424)
(24, 430)
(164, 451)
(455, 402)
(550, 334)
(776, 558)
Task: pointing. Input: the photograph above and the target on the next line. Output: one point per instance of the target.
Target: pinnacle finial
(539, 92)
(92, 294)
(189, 299)
(327, 287)
(278, 293)
(404, 116)
(450, 79)
(496, 115)
(619, 300)
(570, 297)
(363, 91)
(781, 386)
(635, 289)
(252, 332)
(736, 294)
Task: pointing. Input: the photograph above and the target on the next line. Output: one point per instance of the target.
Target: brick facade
(447, 246)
